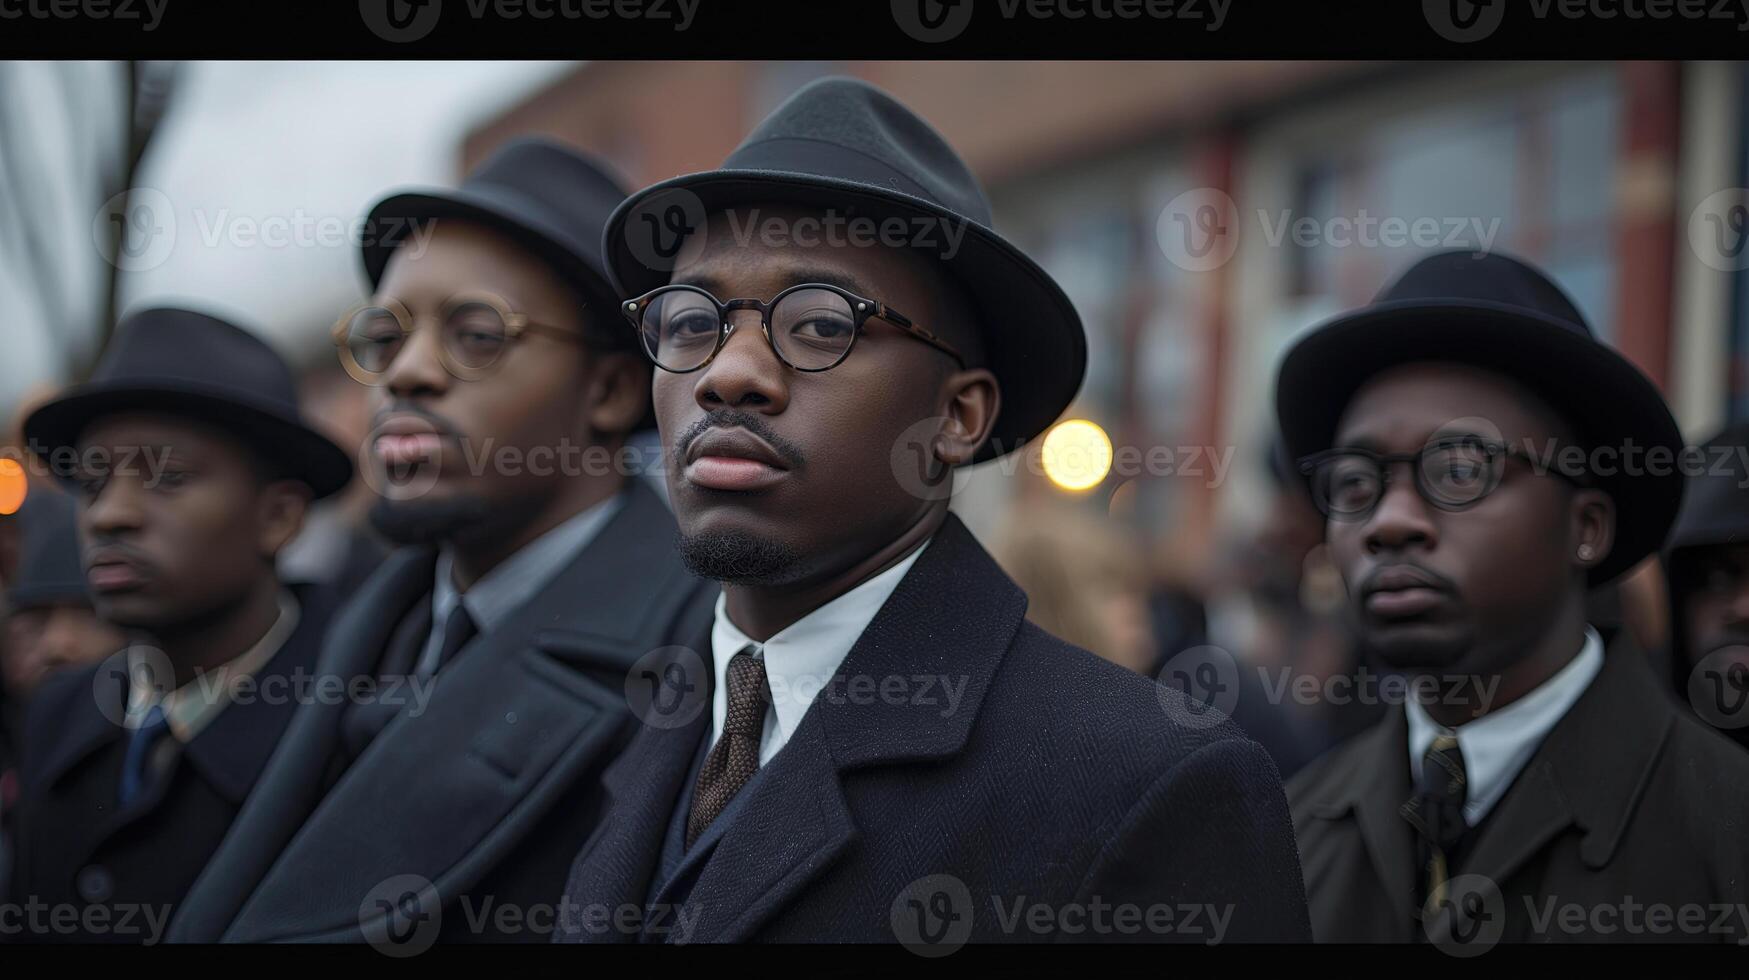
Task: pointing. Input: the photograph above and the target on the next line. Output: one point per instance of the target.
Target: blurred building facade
(1338, 173)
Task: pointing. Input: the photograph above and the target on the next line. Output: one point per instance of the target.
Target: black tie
(735, 757)
(1436, 811)
(458, 629)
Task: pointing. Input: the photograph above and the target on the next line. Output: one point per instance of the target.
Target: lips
(733, 459)
(1399, 592)
(112, 571)
(406, 441)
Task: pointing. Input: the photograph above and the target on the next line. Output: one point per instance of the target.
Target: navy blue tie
(139, 755)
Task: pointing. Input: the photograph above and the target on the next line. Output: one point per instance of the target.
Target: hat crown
(575, 192)
(1489, 278)
(165, 345)
(847, 129)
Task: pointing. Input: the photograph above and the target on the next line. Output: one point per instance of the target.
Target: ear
(1591, 528)
(619, 392)
(970, 402)
(283, 504)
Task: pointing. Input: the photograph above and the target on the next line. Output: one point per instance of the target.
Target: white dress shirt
(512, 581)
(1497, 745)
(800, 659)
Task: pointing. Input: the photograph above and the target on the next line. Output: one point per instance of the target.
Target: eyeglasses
(1451, 474)
(811, 326)
(474, 329)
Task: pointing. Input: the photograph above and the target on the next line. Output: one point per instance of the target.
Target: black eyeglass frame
(1384, 462)
(862, 309)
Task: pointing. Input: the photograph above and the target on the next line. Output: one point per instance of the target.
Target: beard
(418, 522)
(739, 558)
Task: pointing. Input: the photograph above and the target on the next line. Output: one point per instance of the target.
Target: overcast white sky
(267, 166)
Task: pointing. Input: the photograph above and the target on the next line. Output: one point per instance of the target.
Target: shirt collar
(194, 705)
(1497, 745)
(801, 658)
(509, 584)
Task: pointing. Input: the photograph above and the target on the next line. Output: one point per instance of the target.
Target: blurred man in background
(52, 624)
(192, 472)
(1708, 563)
(535, 571)
(1465, 436)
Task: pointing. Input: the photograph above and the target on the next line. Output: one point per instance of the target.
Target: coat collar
(954, 615)
(232, 751)
(1590, 773)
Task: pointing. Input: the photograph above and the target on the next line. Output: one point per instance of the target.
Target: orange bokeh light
(13, 486)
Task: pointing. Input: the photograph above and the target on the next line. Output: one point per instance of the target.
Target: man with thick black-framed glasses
(881, 748)
(443, 796)
(1483, 461)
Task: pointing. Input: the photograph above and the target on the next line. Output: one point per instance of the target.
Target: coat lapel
(1590, 772)
(954, 614)
(512, 722)
(1375, 797)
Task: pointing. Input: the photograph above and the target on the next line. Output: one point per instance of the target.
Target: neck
(1543, 658)
(762, 612)
(477, 555)
(210, 643)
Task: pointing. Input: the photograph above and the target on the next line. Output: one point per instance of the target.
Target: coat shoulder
(1096, 709)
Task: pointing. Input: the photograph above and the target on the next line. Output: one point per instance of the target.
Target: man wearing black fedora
(1707, 561)
(1483, 461)
(869, 742)
(51, 624)
(536, 571)
(192, 468)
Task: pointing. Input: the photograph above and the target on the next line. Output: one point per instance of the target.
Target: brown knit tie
(735, 757)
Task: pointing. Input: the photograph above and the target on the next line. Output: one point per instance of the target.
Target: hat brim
(412, 207)
(1033, 339)
(1608, 400)
(299, 452)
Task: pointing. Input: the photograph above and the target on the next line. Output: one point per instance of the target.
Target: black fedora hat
(50, 571)
(1716, 508)
(1495, 312)
(187, 363)
(550, 198)
(843, 144)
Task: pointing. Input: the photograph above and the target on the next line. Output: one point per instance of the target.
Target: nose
(1401, 520)
(418, 369)
(746, 372)
(115, 510)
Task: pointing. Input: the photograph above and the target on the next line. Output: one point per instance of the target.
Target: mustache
(1428, 577)
(730, 418)
(109, 548)
(444, 427)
